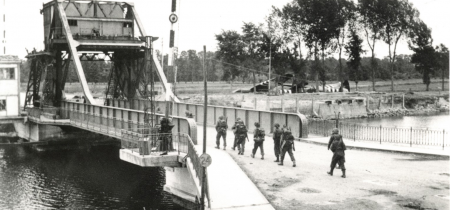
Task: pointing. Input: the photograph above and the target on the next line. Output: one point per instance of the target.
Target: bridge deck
(229, 186)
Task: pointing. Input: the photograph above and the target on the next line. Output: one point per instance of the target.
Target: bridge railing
(411, 136)
(150, 142)
(267, 119)
(111, 120)
(50, 113)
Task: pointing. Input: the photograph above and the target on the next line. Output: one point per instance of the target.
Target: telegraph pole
(205, 111)
(270, 57)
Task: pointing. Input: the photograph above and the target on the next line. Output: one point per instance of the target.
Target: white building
(9, 85)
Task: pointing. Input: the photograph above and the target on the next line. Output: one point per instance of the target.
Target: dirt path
(376, 180)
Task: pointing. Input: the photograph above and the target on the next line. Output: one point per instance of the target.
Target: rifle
(246, 136)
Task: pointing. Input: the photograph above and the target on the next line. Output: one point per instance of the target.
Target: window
(2, 104)
(127, 25)
(7, 73)
(73, 22)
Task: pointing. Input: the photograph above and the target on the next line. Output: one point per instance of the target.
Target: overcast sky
(199, 21)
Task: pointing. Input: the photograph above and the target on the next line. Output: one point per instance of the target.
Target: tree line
(301, 36)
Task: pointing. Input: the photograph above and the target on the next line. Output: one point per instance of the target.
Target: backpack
(261, 133)
(222, 125)
(241, 129)
(335, 143)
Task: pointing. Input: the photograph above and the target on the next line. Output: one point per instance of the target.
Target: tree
(373, 21)
(231, 49)
(443, 62)
(346, 13)
(424, 56)
(354, 50)
(322, 23)
(398, 17)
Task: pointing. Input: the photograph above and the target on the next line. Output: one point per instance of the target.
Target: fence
(267, 119)
(148, 141)
(111, 120)
(411, 136)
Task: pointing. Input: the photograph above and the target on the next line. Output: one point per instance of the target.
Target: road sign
(205, 160)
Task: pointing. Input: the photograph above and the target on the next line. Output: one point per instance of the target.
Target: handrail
(411, 136)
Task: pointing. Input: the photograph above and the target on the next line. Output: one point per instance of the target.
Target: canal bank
(375, 179)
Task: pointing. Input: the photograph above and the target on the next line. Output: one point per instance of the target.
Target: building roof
(9, 58)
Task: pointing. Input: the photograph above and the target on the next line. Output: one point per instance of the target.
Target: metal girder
(73, 51)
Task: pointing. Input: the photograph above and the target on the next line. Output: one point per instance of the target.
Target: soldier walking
(240, 135)
(276, 141)
(258, 137)
(238, 121)
(287, 145)
(338, 148)
(221, 128)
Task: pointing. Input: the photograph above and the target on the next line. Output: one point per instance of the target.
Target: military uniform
(277, 140)
(240, 134)
(258, 138)
(238, 121)
(221, 128)
(287, 145)
(337, 146)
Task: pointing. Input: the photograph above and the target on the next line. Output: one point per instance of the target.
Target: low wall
(297, 122)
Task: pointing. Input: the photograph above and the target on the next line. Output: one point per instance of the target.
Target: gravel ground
(375, 180)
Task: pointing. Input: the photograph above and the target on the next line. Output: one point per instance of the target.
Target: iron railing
(411, 136)
(149, 141)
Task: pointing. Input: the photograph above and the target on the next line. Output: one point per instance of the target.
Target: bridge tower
(85, 30)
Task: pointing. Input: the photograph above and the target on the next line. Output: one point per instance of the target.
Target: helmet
(277, 125)
(238, 119)
(221, 118)
(257, 124)
(335, 131)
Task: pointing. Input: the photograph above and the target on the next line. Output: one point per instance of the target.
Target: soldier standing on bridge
(338, 148)
(287, 145)
(221, 128)
(276, 140)
(258, 137)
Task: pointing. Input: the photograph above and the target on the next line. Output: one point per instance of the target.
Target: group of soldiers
(283, 139)
(283, 142)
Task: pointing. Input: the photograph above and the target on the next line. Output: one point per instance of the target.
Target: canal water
(81, 179)
(436, 121)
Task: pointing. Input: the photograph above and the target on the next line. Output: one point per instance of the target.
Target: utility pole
(270, 57)
(205, 111)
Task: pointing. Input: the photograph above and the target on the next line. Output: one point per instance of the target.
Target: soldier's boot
(217, 147)
(224, 147)
(281, 163)
(343, 173)
(294, 164)
(330, 172)
(252, 155)
(262, 157)
(277, 160)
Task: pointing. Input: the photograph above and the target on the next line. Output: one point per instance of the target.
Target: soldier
(276, 140)
(221, 128)
(240, 136)
(287, 145)
(238, 121)
(258, 137)
(338, 148)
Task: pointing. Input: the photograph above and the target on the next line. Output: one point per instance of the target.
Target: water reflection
(433, 121)
(77, 180)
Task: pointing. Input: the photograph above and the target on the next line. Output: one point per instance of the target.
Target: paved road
(375, 180)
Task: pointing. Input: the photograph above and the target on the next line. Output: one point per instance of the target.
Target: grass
(225, 88)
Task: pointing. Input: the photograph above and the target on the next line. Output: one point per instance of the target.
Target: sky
(199, 22)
